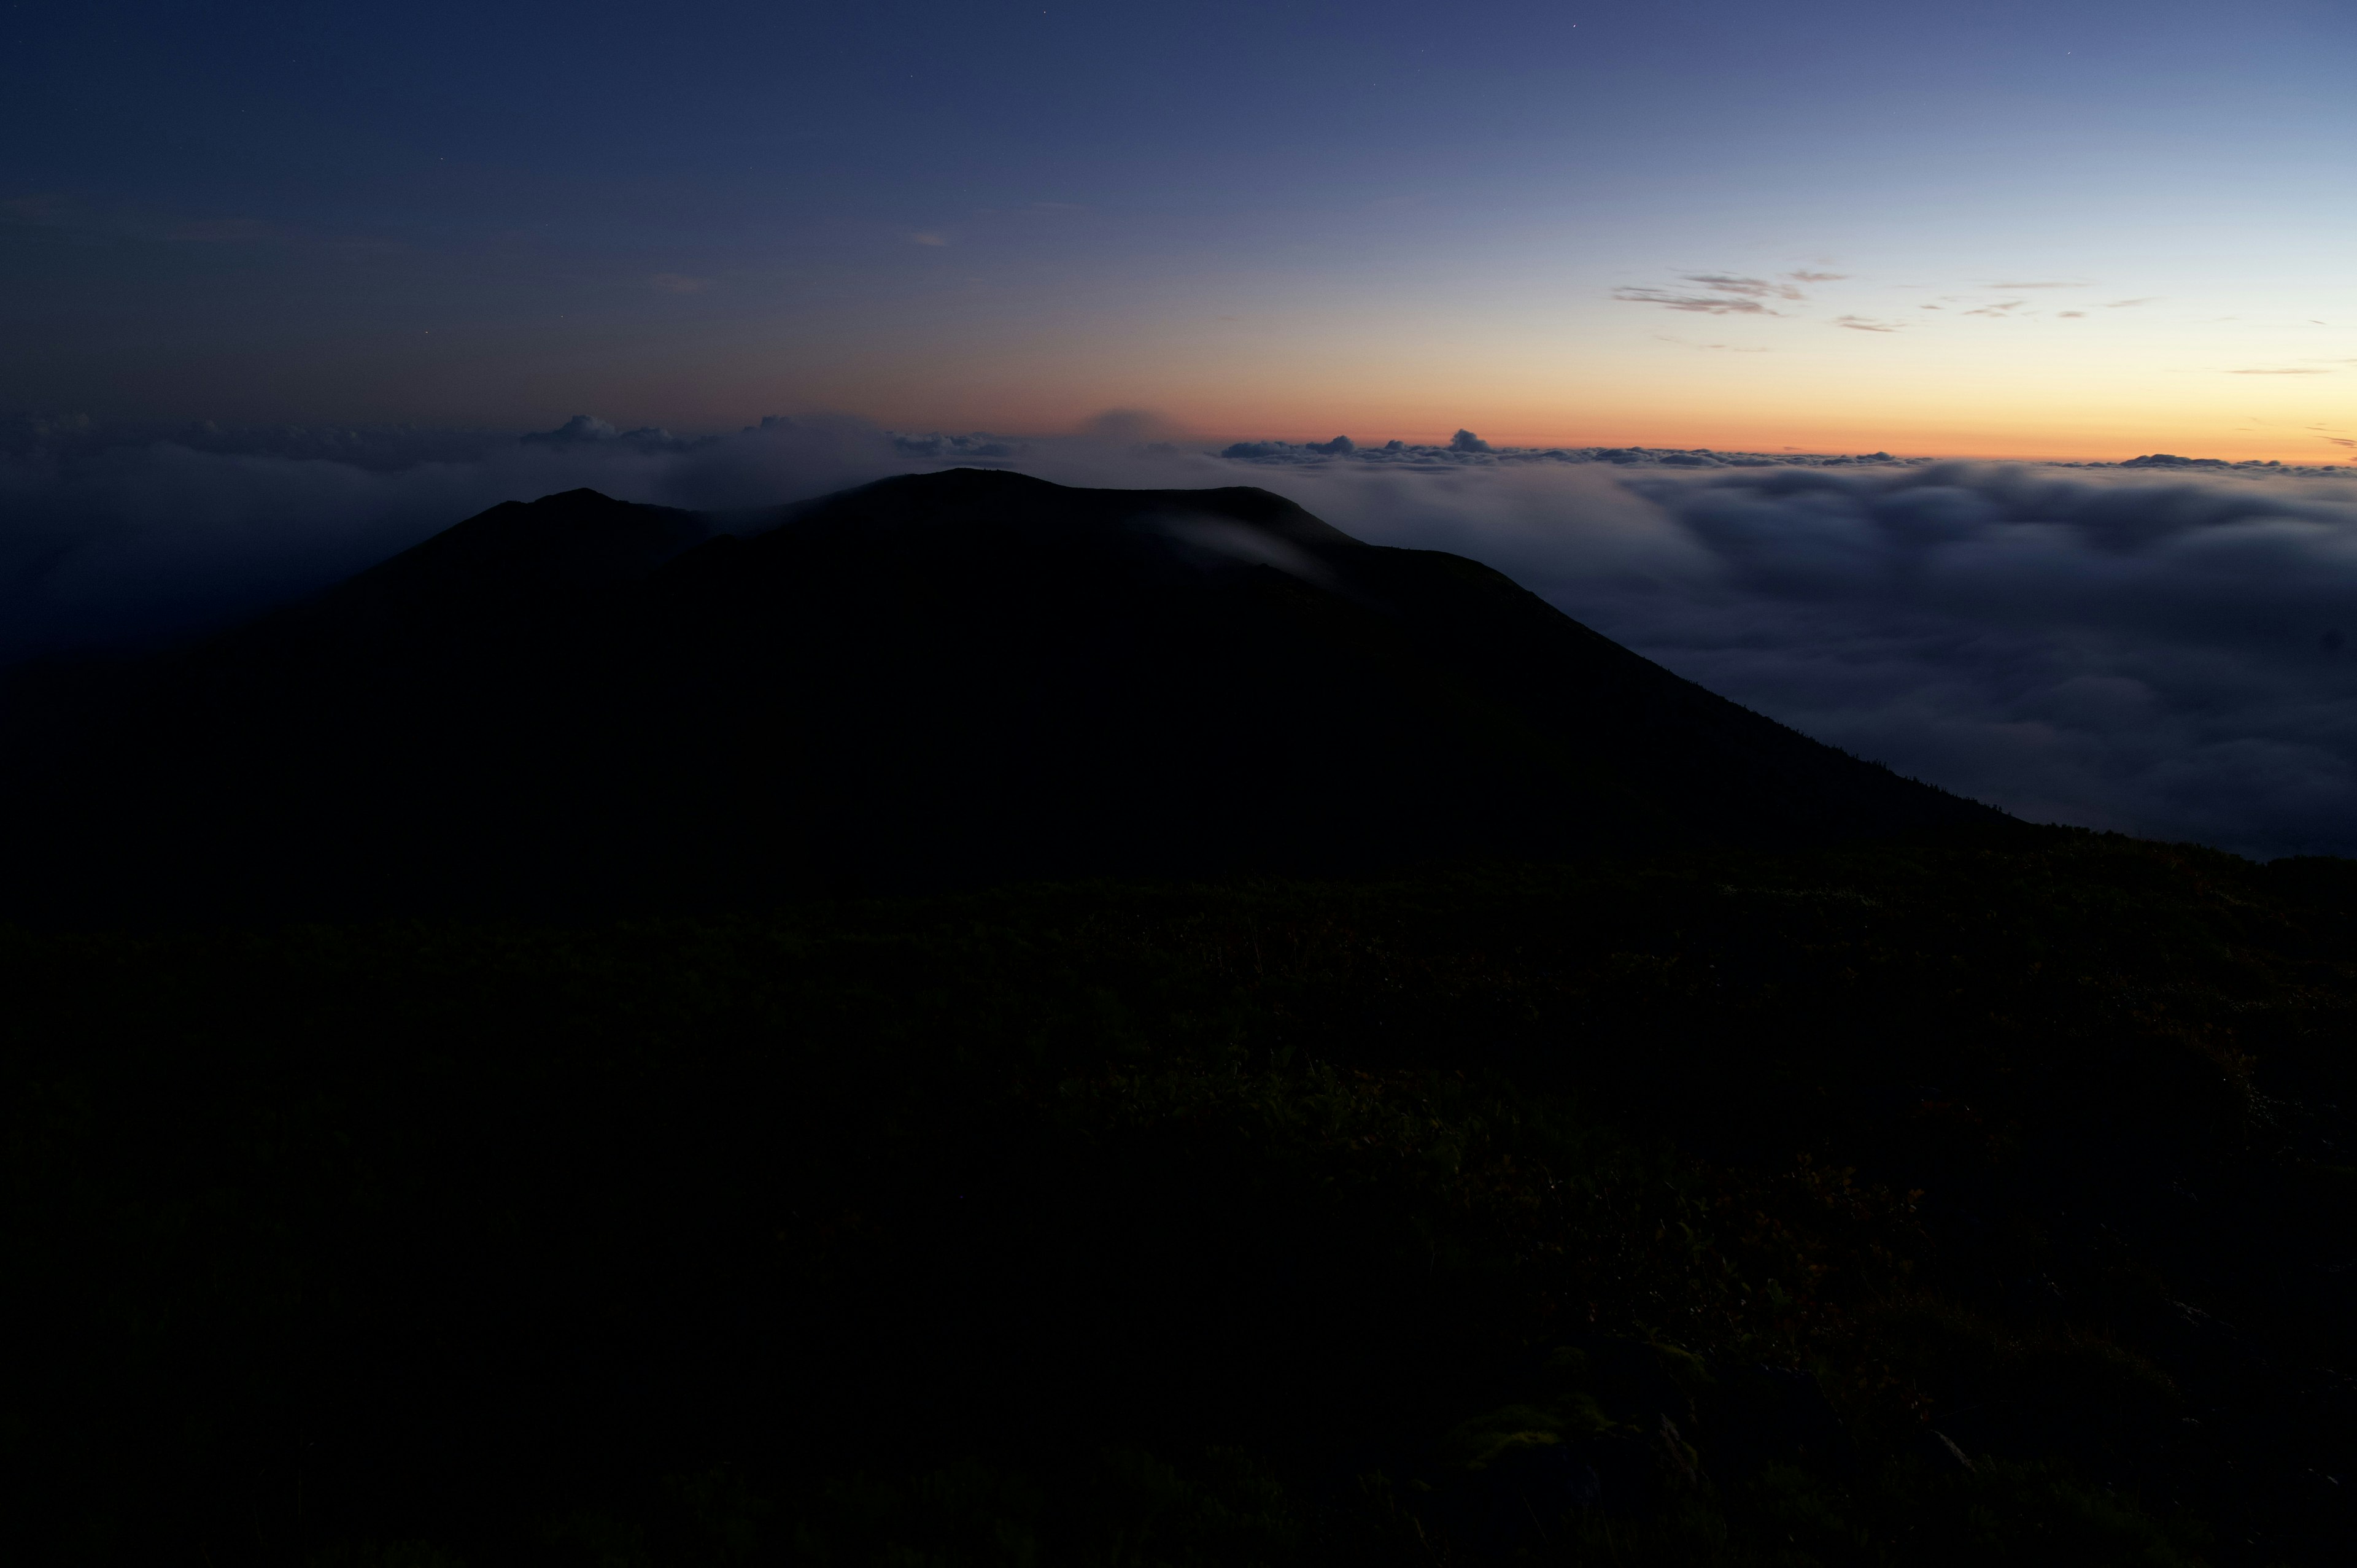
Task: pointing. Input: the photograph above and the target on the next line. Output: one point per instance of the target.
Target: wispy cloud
(1720, 348)
(155, 226)
(223, 231)
(2070, 315)
(2013, 285)
(929, 238)
(41, 212)
(1700, 303)
(1758, 288)
(1866, 324)
(1725, 294)
(2124, 304)
(2275, 371)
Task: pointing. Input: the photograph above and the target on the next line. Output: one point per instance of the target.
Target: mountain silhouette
(941, 679)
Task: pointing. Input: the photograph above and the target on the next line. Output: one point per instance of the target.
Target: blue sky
(1694, 223)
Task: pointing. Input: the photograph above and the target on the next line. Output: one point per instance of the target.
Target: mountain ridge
(937, 680)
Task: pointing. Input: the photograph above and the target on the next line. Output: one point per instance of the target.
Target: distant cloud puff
(1466, 441)
(2070, 315)
(1817, 277)
(972, 448)
(580, 427)
(582, 430)
(2037, 285)
(1866, 324)
(929, 238)
(677, 283)
(1127, 426)
(2280, 372)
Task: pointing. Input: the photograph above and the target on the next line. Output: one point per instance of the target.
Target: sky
(285, 289)
(2077, 228)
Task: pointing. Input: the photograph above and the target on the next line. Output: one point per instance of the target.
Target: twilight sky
(2073, 228)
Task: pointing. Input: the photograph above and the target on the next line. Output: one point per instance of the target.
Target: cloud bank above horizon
(2163, 651)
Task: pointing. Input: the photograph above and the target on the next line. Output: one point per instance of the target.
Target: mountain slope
(941, 679)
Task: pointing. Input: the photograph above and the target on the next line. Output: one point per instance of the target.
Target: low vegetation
(1889, 1206)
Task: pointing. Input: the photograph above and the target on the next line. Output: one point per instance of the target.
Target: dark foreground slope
(1869, 1208)
(1843, 1189)
(949, 679)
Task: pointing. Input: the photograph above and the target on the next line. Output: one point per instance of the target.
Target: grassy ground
(1897, 1206)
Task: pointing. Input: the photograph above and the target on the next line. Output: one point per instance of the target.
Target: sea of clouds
(2162, 649)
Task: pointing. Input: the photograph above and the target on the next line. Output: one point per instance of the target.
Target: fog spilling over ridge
(2158, 646)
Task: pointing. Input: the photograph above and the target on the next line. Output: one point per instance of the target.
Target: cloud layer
(2168, 648)
(2170, 652)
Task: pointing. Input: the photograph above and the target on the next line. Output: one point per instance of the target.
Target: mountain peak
(941, 679)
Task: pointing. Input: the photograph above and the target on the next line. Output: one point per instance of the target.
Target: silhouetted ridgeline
(951, 679)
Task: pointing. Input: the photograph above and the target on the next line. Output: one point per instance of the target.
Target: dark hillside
(1871, 1207)
(944, 680)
